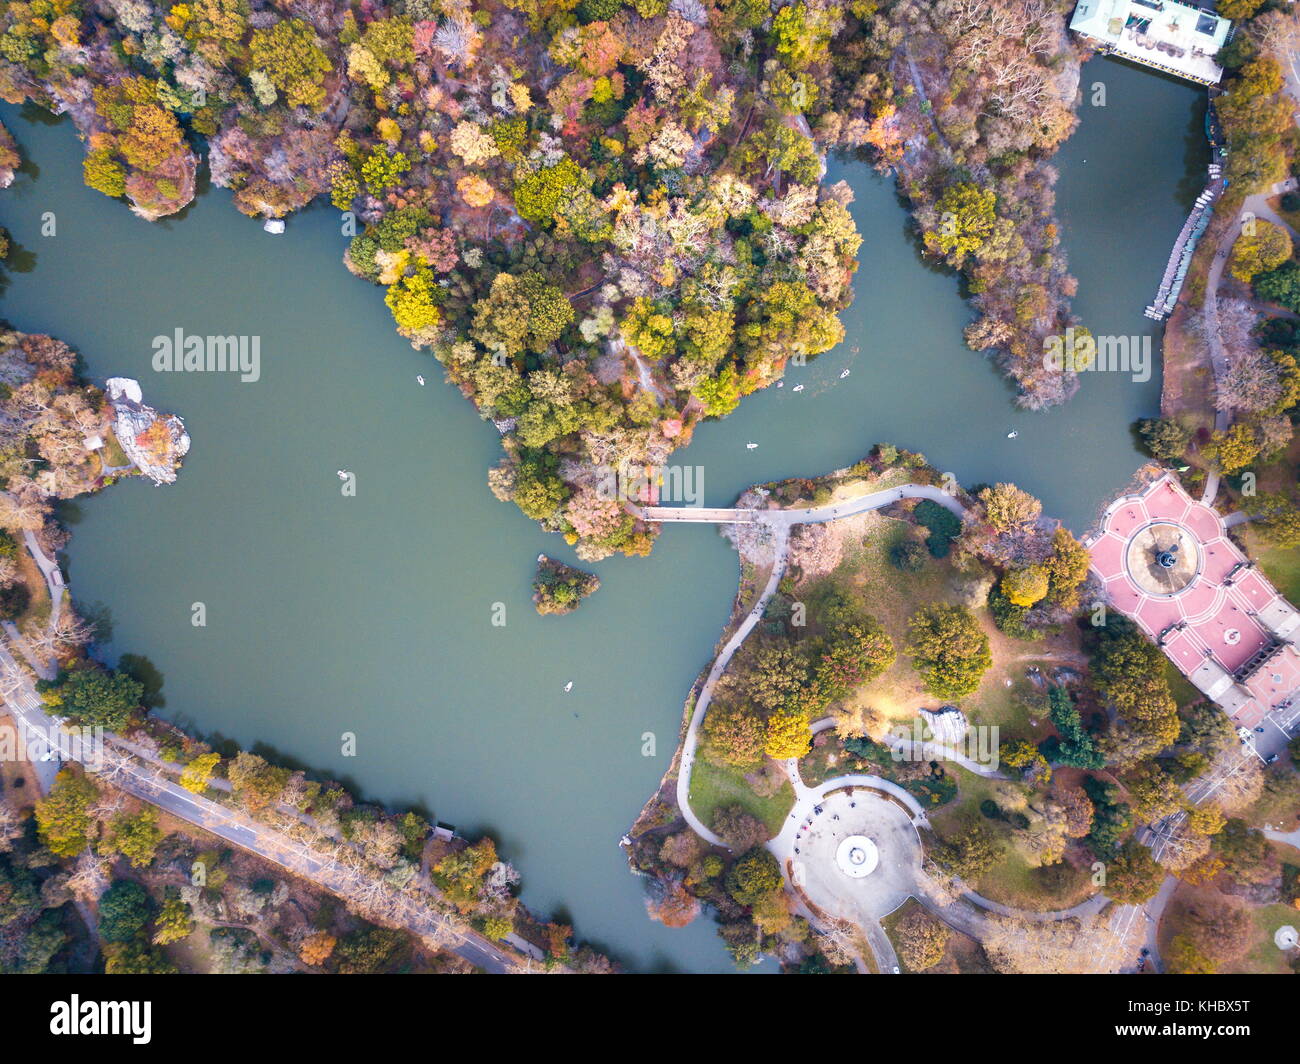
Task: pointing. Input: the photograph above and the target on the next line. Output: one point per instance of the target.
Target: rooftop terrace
(1180, 39)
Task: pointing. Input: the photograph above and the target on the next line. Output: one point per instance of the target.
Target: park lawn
(714, 786)
(1280, 564)
(1264, 957)
(112, 453)
(1011, 881)
(1184, 692)
(38, 607)
(868, 578)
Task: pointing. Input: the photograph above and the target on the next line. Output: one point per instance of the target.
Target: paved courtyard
(1166, 561)
(818, 837)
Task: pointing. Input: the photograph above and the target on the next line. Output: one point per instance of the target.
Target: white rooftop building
(1178, 38)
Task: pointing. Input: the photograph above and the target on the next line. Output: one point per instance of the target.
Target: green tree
(949, 649)
(1134, 876)
(853, 656)
(136, 836)
(289, 55)
(1281, 285)
(63, 818)
(969, 854)
(964, 219)
(174, 920)
(1165, 438)
(734, 735)
(755, 875)
(124, 910)
(96, 698)
(1266, 248)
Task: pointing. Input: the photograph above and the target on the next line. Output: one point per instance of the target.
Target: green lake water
(373, 615)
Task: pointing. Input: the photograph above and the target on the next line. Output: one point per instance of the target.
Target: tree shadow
(146, 673)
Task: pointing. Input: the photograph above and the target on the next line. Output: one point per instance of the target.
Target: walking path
(779, 522)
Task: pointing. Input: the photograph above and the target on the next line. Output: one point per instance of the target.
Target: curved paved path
(779, 522)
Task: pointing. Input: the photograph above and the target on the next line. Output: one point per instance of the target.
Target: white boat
(1012, 434)
(568, 686)
(420, 379)
(844, 374)
(751, 445)
(343, 474)
(274, 226)
(780, 384)
(797, 388)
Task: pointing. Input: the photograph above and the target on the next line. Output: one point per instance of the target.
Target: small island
(560, 588)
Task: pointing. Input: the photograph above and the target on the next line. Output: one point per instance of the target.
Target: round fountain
(857, 856)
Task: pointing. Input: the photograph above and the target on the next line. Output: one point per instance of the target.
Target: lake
(372, 615)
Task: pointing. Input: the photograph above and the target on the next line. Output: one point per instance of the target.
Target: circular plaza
(1162, 558)
(856, 853)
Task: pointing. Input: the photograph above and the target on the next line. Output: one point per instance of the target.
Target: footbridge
(706, 514)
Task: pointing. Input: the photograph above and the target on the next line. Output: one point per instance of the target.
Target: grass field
(1010, 881)
(715, 786)
(868, 579)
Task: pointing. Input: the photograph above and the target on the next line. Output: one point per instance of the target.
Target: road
(153, 786)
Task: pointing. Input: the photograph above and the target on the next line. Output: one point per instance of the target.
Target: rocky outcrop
(154, 442)
(9, 158)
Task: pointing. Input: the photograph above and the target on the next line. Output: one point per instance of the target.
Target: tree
(1280, 285)
(1186, 958)
(1239, 9)
(738, 828)
(855, 655)
(969, 854)
(788, 735)
(124, 911)
(96, 698)
(63, 818)
(949, 649)
(1128, 672)
(370, 950)
(1007, 508)
(195, 775)
(778, 676)
(921, 939)
(317, 948)
(521, 313)
(754, 875)
(734, 735)
(1276, 518)
(1025, 586)
(460, 875)
(1165, 438)
(1266, 248)
(289, 55)
(671, 903)
(1134, 876)
(135, 836)
(539, 195)
(173, 921)
(255, 782)
(1067, 569)
(963, 219)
